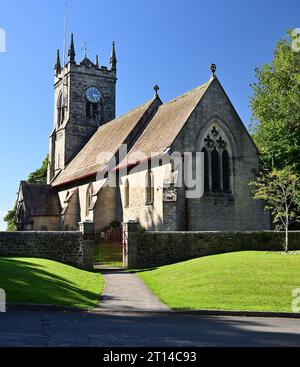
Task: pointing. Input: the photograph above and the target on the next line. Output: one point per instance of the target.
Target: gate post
(129, 250)
(88, 230)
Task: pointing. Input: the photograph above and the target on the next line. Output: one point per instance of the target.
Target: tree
(39, 176)
(275, 107)
(281, 191)
(10, 219)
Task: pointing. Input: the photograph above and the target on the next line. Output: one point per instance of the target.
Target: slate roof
(40, 200)
(166, 124)
(108, 138)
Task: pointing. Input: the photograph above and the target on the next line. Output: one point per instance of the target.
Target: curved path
(126, 292)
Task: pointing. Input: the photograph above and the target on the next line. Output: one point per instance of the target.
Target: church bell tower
(84, 97)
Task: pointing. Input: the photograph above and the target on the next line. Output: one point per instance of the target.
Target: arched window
(20, 214)
(88, 107)
(206, 182)
(215, 171)
(149, 188)
(57, 161)
(89, 198)
(226, 171)
(218, 149)
(126, 194)
(92, 110)
(60, 110)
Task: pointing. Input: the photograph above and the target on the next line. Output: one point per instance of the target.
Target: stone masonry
(150, 249)
(72, 248)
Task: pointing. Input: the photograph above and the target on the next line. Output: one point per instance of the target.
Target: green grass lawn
(30, 280)
(233, 281)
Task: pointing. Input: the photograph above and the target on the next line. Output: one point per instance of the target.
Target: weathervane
(84, 48)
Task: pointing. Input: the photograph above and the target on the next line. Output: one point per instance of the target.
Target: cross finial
(213, 68)
(84, 48)
(156, 89)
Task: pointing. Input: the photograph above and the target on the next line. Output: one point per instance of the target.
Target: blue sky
(169, 42)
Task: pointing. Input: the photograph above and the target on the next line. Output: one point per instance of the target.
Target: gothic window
(92, 110)
(89, 198)
(20, 214)
(217, 160)
(226, 171)
(149, 199)
(60, 110)
(88, 110)
(206, 171)
(215, 171)
(95, 110)
(57, 161)
(126, 194)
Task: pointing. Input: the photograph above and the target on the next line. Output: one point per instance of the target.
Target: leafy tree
(281, 191)
(38, 176)
(10, 219)
(275, 107)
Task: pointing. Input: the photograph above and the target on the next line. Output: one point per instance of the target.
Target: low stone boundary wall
(150, 249)
(143, 250)
(71, 248)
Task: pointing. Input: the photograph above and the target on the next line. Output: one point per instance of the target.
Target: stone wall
(43, 223)
(66, 247)
(151, 249)
(149, 216)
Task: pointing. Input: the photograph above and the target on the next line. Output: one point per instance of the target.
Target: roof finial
(57, 66)
(113, 58)
(213, 68)
(97, 61)
(71, 52)
(156, 89)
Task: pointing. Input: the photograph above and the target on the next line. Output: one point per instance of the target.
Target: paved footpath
(126, 292)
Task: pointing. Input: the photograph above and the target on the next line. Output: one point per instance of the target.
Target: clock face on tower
(93, 95)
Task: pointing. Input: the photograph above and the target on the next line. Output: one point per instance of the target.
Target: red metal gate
(110, 248)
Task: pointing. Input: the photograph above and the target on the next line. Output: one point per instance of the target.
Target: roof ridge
(34, 183)
(127, 113)
(206, 84)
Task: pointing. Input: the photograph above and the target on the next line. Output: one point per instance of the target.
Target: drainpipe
(186, 212)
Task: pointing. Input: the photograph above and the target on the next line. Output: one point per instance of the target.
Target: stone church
(86, 129)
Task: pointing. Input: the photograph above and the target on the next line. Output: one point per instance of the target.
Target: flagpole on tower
(65, 32)
(65, 56)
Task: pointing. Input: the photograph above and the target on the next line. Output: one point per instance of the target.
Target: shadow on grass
(134, 271)
(120, 270)
(28, 282)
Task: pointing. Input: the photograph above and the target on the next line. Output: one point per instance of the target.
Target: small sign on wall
(169, 195)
